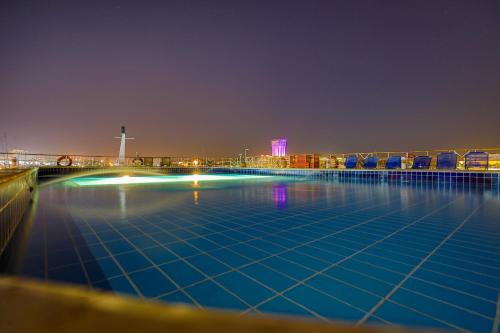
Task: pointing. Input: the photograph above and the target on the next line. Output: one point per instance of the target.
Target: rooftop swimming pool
(417, 256)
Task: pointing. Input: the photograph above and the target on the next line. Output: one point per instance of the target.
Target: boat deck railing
(322, 161)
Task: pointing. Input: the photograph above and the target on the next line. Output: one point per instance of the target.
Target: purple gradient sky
(213, 77)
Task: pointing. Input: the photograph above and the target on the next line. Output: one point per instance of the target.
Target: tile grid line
(294, 247)
(264, 285)
(280, 257)
(431, 260)
(448, 303)
(289, 229)
(233, 269)
(197, 235)
(429, 270)
(407, 244)
(245, 241)
(256, 261)
(124, 272)
(298, 264)
(459, 291)
(82, 265)
(223, 211)
(416, 278)
(496, 322)
(253, 308)
(355, 253)
(298, 227)
(45, 246)
(283, 218)
(274, 220)
(400, 284)
(155, 266)
(458, 328)
(286, 260)
(179, 288)
(229, 205)
(433, 230)
(397, 261)
(464, 309)
(409, 255)
(230, 229)
(226, 246)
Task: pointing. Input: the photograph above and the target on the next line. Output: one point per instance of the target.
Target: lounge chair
(351, 162)
(370, 162)
(447, 161)
(393, 162)
(476, 160)
(422, 162)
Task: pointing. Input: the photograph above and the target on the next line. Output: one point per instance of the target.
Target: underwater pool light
(125, 180)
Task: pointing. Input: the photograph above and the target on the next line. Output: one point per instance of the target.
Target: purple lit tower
(278, 147)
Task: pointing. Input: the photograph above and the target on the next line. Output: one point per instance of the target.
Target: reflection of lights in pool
(92, 181)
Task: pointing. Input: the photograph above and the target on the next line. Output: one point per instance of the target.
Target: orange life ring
(64, 158)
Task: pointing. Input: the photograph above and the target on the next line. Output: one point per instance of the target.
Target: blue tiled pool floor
(359, 253)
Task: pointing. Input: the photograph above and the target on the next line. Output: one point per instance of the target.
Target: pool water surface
(416, 256)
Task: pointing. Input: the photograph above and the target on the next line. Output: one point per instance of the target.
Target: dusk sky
(215, 77)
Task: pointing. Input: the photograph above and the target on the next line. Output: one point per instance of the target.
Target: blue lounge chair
(476, 160)
(421, 162)
(447, 161)
(393, 162)
(351, 162)
(370, 162)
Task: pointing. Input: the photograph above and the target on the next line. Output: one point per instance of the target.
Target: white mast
(121, 154)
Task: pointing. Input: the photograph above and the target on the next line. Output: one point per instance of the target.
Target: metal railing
(324, 161)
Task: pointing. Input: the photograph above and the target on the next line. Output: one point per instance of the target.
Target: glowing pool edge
(131, 180)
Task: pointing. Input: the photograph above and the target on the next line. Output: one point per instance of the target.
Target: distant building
(278, 147)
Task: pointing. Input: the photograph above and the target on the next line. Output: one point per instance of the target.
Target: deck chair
(393, 162)
(422, 162)
(351, 162)
(447, 161)
(476, 160)
(370, 162)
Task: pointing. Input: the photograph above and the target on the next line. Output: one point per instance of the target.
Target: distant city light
(126, 180)
(278, 147)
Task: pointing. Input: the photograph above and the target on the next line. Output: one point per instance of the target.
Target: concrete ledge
(30, 306)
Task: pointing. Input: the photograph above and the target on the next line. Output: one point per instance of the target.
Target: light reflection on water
(279, 195)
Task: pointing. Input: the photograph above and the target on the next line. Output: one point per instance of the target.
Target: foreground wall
(29, 306)
(15, 196)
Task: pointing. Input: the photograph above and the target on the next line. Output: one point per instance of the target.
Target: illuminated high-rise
(278, 147)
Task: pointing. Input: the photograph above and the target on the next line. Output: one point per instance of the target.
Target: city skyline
(215, 78)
